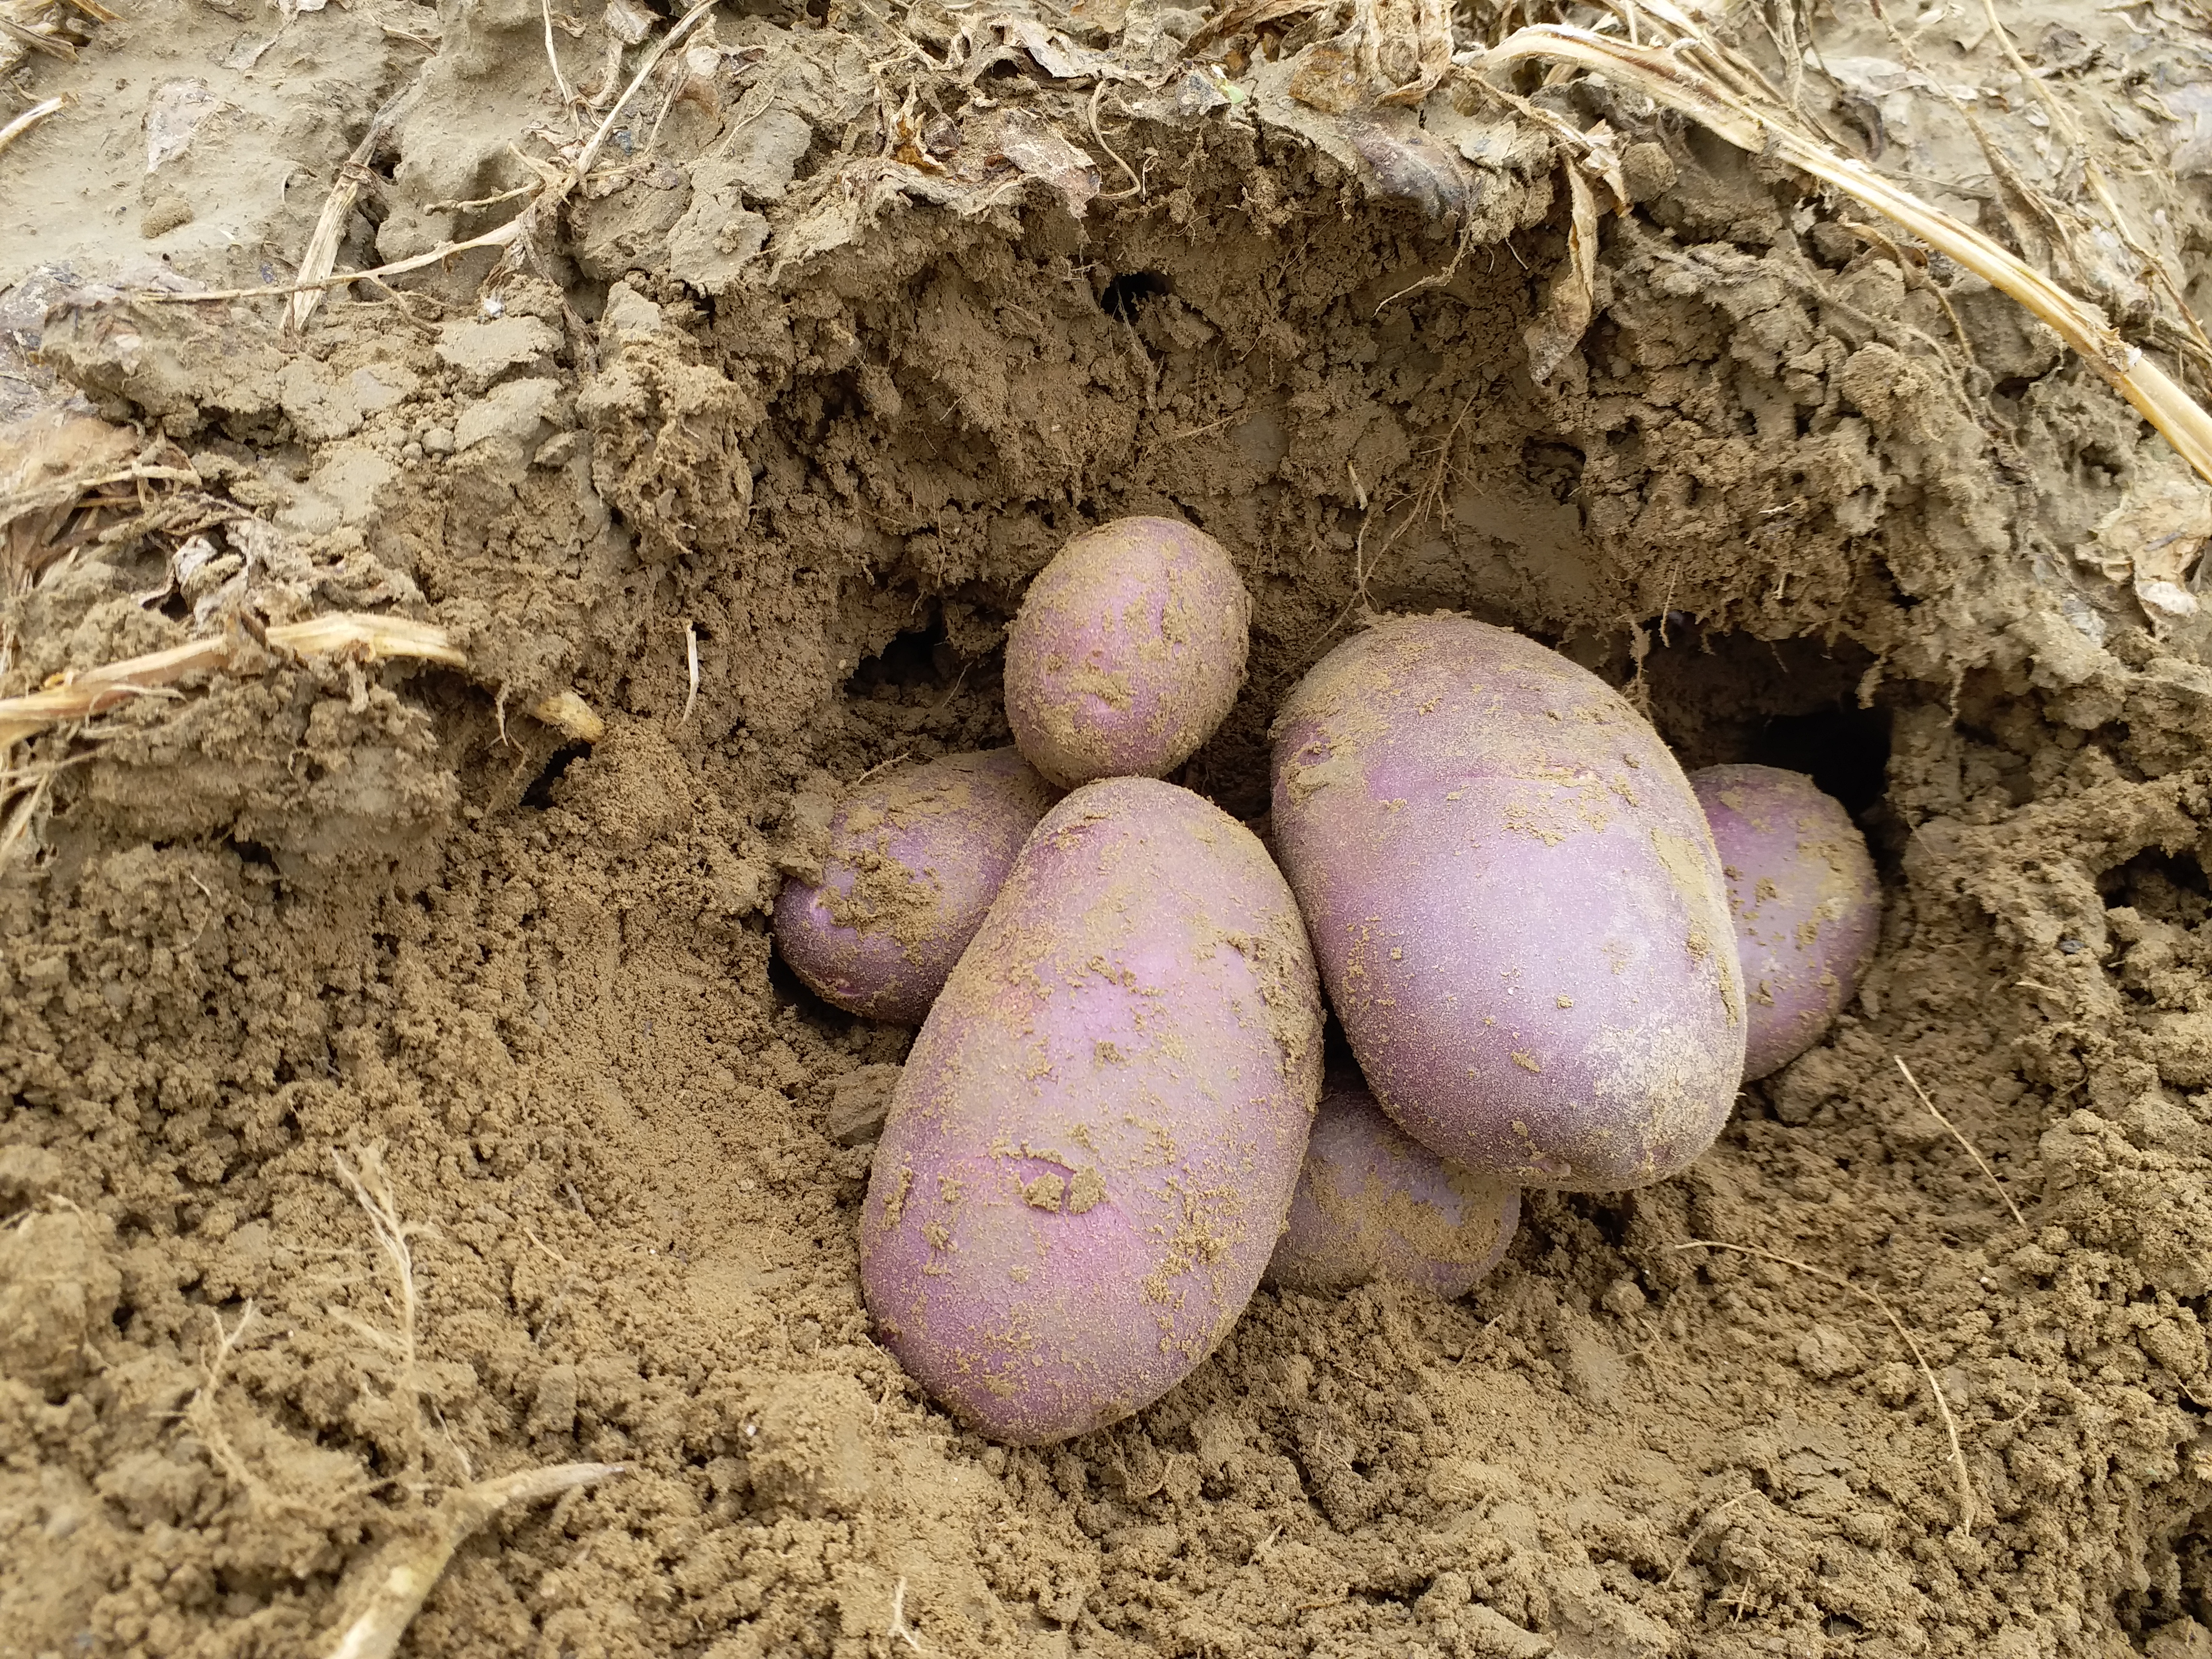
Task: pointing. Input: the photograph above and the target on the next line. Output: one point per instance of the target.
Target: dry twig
(899, 1631)
(399, 1577)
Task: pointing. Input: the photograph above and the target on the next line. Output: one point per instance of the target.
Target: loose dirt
(861, 317)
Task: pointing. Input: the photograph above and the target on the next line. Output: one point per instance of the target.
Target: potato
(1127, 652)
(916, 858)
(1091, 1150)
(1517, 907)
(1806, 904)
(1373, 1203)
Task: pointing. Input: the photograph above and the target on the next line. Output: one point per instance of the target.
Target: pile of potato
(1554, 957)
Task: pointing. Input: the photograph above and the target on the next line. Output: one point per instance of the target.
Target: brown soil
(321, 911)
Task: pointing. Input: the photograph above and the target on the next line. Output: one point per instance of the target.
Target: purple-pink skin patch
(1374, 1203)
(915, 857)
(1091, 1148)
(1518, 911)
(1806, 904)
(1128, 651)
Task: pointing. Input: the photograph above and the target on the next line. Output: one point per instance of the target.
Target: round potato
(916, 858)
(1127, 652)
(1373, 1203)
(1806, 904)
(1516, 905)
(1091, 1151)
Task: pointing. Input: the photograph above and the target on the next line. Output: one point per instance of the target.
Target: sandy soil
(398, 1093)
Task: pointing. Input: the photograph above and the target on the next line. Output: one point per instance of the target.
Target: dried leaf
(2155, 536)
(174, 114)
(1411, 166)
(1042, 154)
(1567, 315)
(628, 22)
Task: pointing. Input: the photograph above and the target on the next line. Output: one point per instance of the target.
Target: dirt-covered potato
(1091, 1150)
(1515, 903)
(1372, 1202)
(1127, 652)
(915, 857)
(1806, 904)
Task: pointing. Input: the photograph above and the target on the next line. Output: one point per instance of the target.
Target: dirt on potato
(399, 1090)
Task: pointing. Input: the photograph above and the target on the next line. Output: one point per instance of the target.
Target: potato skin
(915, 857)
(1091, 1149)
(1372, 1202)
(1516, 905)
(1127, 652)
(1806, 904)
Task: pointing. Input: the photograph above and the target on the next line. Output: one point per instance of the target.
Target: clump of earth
(399, 1091)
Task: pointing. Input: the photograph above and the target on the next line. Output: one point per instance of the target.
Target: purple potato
(1127, 652)
(1090, 1151)
(1808, 906)
(915, 857)
(1517, 907)
(1373, 1203)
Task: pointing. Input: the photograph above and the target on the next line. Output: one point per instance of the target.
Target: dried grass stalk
(29, 119)
(337, 208)
(117, 683)
(1662, 74)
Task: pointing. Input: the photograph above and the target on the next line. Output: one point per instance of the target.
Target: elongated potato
(1372, 1202)
(1091, 1150)
(916, 858)
(1516, 905)
(1806, 901)
(1127, 652)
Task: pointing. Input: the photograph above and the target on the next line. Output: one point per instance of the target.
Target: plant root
(1980, 1163)
(1967, 1507)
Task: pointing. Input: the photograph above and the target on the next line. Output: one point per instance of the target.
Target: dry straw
(1748, 114)
(114, 684)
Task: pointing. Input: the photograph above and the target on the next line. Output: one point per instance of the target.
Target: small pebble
(439, 440)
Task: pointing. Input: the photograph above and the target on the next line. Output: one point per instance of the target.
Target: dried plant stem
(502, 236)
(337, 208)
(1966, 1505)
(29, 119)
(571, 716)
(390, 1586)
(112, 683)
(2062, 122)
(1980, 1163)
(1662, 74)
(400, 1576)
